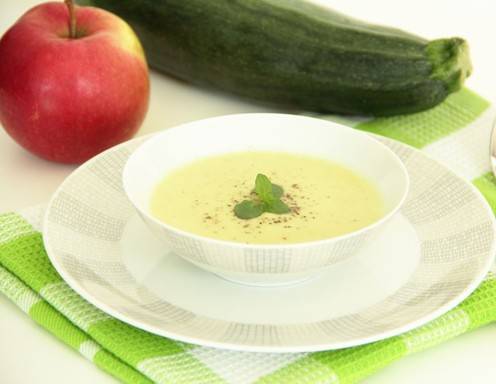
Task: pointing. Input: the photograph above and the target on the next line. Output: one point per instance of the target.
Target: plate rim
(79, 289)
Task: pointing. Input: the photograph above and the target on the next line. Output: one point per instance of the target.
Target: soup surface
(326, 199)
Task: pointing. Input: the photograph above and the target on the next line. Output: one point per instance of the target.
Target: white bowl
(263, 264)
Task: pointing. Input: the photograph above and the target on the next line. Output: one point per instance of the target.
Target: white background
(29, 354)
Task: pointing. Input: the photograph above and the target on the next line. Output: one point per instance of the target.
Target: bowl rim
(237, 244)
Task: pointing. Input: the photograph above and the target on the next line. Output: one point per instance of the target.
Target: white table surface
(29, 354)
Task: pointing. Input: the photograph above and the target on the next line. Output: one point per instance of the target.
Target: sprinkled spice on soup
(266, 197)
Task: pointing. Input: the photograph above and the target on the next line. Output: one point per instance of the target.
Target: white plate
(428, 259)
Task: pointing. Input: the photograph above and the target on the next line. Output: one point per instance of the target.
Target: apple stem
(72, 18)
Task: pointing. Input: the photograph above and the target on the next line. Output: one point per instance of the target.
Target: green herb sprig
(268, 199)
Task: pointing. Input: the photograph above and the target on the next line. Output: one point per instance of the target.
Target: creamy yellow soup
(326, 199)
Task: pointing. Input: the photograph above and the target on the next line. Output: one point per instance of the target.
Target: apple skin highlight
(67, 99)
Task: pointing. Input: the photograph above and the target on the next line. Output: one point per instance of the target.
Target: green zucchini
(294, 54)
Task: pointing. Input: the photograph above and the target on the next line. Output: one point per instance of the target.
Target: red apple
(69, 90)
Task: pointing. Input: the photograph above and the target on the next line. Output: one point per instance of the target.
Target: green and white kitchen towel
(456, 133)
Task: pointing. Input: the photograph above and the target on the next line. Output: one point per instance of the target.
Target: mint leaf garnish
(248, 209)
(263, 188)
(277, 191)
(279, 207)
(268, 199)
